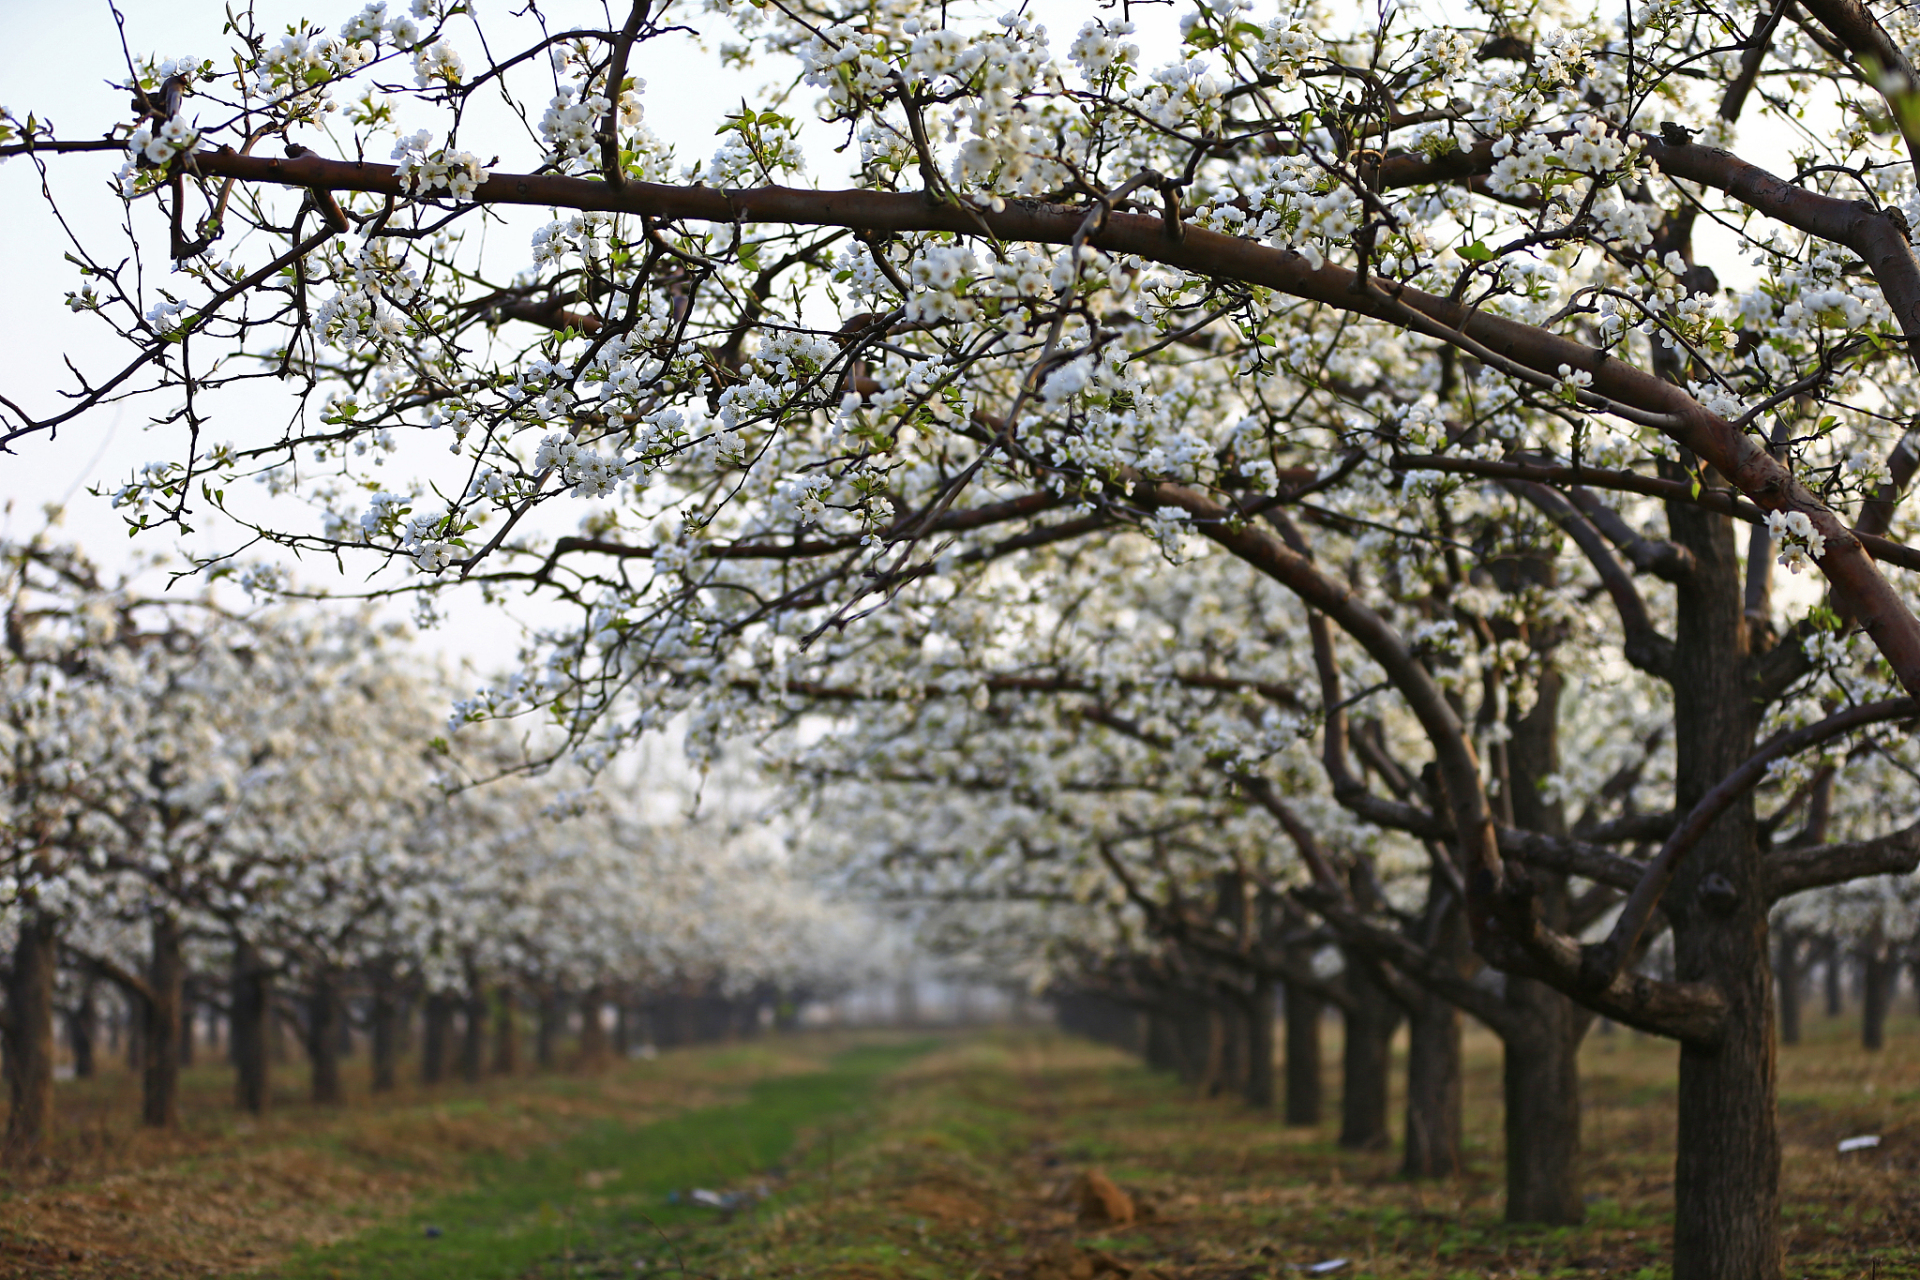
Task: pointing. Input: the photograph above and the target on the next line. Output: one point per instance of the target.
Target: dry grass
(961, 1167)
(229, 1194)
(969, 1176)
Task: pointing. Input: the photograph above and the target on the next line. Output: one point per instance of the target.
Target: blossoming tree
(1316, 270)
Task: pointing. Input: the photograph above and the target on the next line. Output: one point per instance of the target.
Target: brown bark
(1541, 1040)
(546, 1040)
(324, 1015)
(1879, 974)
(1727, 1171)
(384, 1037)
(29, 1037)
(1303, 1015)
(1433, 1089)
(1541, 1082)
(436, 1037)
(250, 1006)
(1160, 1051)
(1260, 1018)
(1434, 1082)
(160, 1075)
(593, 1031)
(506, 1033)
(473, 1038)
(1366, 1059)
(83, 1030)
(1788, 981)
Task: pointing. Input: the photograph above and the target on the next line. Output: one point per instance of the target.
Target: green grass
(595, 1203)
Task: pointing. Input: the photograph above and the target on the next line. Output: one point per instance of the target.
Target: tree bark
(1541, 1082)
(1879, 974)
(160, 1077)
(546, 1041)
(1788, 981)
(1367, 1059)
(29, 1037)
(1433, 1089)
(83, 1029)
(1540, 1074)
(324, 1015)
(1230, 1050)
(506, 1033)
(1833, 985)
(384, 1039)
(1259, 1020)
(1161, 1054)
(473, 1041)
(250, 1006)
(188, 1007)
(436, 1037)
(1303, 1009)
(1727, 1170)
(593, 1032)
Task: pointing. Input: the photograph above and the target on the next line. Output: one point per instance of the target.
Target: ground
(877, 1156)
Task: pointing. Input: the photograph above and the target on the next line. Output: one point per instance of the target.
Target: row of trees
(1316, 488)
(251, 813)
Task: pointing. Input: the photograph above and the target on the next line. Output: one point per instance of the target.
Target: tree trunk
(473, 1041)
(160, 1077)
(1259, 1019)
(1367, 1059)
(83, 1030)
(1833, 988)
(1541, 1079)
(28, 1037)
(623, 1027)
(324, 1015)
(1787, 979)
(546, 1041)
(384, 1035)
(187, 1028)
(1161, 1054)
(1230, 1039)
(593, 1032)
(1303, 1056)
(506, 1034)
(1540, 1073)
(1433, 1089)
(250, 1006)
(436, 1037)
(1879, 974)
(135, 1015)
(1727, 1171)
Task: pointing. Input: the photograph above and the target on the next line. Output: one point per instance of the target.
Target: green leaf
(1475, 252)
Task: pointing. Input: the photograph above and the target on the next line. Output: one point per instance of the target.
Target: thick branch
(1721, 500)
(1797, 869)
(1858, 587)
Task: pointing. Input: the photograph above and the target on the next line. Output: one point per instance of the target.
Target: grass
(966, 1174)
(597, 1202)
(229, 1194)
(954, 1162)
